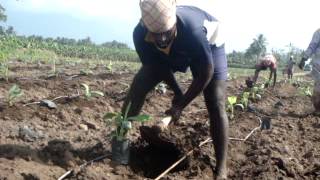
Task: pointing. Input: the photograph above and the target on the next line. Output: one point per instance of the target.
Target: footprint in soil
(59, 152)
(29, 176)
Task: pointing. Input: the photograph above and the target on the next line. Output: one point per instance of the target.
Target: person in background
(268, 61)
(313, 51)
(290, 67)
(172, 38)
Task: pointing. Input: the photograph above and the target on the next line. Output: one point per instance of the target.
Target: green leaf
(127, 110)
(14, 92)
(140, 118)
(246, 95)
(109, 115)
(232, 100)
(97, 93)
(86, 90)
(255, 89)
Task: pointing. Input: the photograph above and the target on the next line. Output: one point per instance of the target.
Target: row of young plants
(15, 92)
(255, 93)
(249, 94)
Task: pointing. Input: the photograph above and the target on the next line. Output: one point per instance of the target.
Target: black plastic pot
(120, 151)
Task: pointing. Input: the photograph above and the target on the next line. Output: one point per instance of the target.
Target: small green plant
(256, 92)
(266, 84)
(245, 99)
(4, 70)
(85, 72)
(306, 91)
(123, 123)
(109, 67)
(88, 93)
(14, 93)
(231, 101)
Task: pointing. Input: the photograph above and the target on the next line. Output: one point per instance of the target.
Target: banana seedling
(14, 93)
(243, 102)
(123, 123)
(88, 93)
(86, 72)
(109, 67)
(232, 100)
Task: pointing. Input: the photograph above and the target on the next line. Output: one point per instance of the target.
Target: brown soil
(41, 143)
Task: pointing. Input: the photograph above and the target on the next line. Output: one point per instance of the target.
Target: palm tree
(257, 47)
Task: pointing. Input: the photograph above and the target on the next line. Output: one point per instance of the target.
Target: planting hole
(151, 158)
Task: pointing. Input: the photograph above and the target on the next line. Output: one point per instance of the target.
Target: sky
(281, 21)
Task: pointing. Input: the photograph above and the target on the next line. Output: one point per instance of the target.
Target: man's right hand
(302, 63)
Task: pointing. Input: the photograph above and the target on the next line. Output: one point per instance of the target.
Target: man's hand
(302, 63)
(175, 113)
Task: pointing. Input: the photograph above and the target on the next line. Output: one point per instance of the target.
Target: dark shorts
(220, 63)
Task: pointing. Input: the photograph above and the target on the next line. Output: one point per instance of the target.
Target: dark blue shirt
(190, 47)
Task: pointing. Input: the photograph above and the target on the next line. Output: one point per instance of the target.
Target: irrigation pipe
(54, 99)
(181, 159)
(68, 173)
(239, 139)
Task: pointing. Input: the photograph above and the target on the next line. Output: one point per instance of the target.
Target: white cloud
(281, 21)
(122, 10)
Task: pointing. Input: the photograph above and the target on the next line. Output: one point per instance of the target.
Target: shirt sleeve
(314, 44)
(200, 48)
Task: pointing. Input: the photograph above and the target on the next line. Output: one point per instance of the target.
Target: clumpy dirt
(41, 143)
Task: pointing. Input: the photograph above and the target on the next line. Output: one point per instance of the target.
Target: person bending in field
(268, 61)
(172, 38)
(313, 51)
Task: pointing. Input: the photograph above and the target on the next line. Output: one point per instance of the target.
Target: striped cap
(158, 15)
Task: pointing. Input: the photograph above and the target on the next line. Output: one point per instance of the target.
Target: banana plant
(14, 93)
(109, 67)
(123, 123)
(232, 100)
(88, 93)
(245, 99)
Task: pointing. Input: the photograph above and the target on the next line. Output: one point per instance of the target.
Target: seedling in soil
(85, 72)
(266, 84)
(109, 67)
(245, 99)
(4, 70)
(122, 123)
(88, 93)
(306, 91)
(255, 93)
(243, 102)
(14, 93)
(231, 101)
(120, 142)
